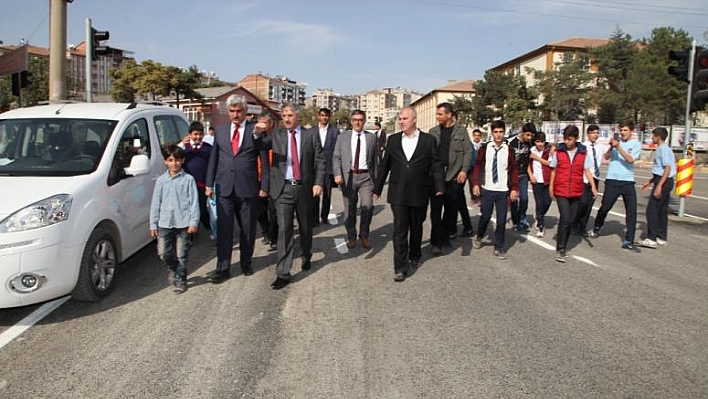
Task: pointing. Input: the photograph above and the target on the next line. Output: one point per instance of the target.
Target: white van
(76, 182)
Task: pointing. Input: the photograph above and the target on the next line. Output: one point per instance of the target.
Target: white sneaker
(648, 243)
(660, 241)
(540, 231)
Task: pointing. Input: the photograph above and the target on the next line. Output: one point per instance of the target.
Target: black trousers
(246, 212)
(586, 203)
(542, 199)
(443, 214)
(568, 209)
(326, 199)
(462, 207)
(613, 190)
(658, 210)
(407, 235)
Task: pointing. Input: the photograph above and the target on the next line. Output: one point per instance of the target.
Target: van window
(168, 131)
(52, 147)
(134, 140)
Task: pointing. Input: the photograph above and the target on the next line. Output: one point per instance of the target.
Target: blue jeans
(491, 200)
(172, 248)
(518, 208)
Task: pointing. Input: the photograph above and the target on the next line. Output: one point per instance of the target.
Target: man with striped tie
(495, 180)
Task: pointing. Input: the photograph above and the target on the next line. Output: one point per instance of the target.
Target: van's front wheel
(98, 268)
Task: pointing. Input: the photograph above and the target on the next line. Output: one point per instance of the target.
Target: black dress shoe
(414, 263)
(247, 270)
(218, 276)
(467, 232)
(280, 283)
(398, 277)
(306, 265)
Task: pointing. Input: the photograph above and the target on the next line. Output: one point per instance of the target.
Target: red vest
(569, 176)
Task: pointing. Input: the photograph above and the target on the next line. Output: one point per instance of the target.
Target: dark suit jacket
(237, 173)
(413, 181)
(328, 145)
(312, 159)
(382, 140)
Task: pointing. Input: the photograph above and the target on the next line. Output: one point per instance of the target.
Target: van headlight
(40, 214)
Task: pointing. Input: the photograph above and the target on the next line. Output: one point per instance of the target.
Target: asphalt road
(607, 324)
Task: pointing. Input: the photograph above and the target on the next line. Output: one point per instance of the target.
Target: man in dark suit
(380, 136)
(356, 159)
(454, 151)
(328, 137)
(296, 176)
(411, 158)
(233, 169)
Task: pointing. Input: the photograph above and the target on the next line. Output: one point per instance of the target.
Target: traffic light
(699, 84)
(680, 71)
(20, 80)
(97, 36)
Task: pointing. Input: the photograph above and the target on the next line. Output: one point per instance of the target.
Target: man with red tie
(296, 176)
(233, 169)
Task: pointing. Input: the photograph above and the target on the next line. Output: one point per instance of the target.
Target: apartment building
(426, 105)
(278, 89)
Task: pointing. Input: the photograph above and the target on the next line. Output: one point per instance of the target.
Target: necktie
(235, 140)
(594, 160)
(297, 175)
(495, 173)
(356, 153)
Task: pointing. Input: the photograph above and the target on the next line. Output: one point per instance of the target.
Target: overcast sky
(349, 46)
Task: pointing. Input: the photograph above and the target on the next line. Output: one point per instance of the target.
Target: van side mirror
(139, 165)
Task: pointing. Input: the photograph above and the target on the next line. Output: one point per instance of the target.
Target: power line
(614, 6)
(528, 12)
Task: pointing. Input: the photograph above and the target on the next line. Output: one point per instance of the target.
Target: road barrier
(684, 177)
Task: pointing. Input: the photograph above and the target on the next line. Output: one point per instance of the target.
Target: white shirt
(502, 164)
(288, 157)
(600, 150)
(362, 150)
(208, 138)
(537, 167)
(323, 134)
(409, 144)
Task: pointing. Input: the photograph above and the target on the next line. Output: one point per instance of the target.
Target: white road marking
(24, 324)
(588, 261)
(341, 245)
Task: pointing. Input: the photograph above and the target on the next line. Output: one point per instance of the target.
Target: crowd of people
(258, 172)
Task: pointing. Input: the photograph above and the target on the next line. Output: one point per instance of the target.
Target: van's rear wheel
(98, 268)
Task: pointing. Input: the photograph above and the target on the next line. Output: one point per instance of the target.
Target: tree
(614, 62)
(505, 96)
(183, 82)
(122, 89)
(308, 116)
(464, 108)
(565, 90)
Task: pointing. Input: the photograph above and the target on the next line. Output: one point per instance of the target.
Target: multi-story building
(547, 56)
(278, 89)
(383, 104)
(76, 68)
(326, 98)
(426, 105)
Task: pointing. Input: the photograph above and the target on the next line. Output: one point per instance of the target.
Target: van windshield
(52, 147)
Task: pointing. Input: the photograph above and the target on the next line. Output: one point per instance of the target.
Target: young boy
(569, 163)
(495, 180)
(663, 173)
(196, 161)
(540, 177)
(174, 215)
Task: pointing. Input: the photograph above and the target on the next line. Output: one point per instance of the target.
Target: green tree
(122, 89)
(505, 96)
(308, 116)
(183, 83)
(565, 90)
(464, 108)
(614, 62)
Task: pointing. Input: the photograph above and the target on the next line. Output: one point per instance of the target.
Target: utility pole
(687, 130)
(57, 50)
(89, 61)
